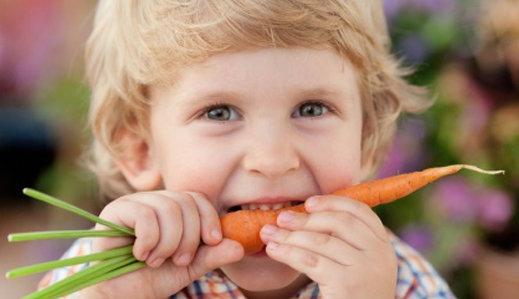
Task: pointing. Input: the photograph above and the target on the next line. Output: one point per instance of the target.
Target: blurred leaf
(66, 100)
(441, 32)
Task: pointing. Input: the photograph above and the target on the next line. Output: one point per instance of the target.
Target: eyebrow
(319, 91)
(197, 99)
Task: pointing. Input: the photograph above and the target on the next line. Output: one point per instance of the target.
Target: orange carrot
(244, 225)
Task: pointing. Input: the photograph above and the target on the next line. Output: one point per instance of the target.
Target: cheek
(188, 164)
(337, 162)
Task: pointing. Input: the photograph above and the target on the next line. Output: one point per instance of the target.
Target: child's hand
(168, 228)
(342, 245)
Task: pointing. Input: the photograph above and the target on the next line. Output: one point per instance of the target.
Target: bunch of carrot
(242, 226)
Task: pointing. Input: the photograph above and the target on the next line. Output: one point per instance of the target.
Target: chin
(260, 273)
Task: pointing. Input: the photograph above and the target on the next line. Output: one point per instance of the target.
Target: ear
(136, 161)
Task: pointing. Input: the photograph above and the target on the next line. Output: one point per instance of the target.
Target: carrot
(244, 225)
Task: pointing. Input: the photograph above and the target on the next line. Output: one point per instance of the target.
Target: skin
(263, 143)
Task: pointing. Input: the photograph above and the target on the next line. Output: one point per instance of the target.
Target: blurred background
(466, 52)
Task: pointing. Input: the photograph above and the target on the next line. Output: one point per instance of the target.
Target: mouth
(262, 206)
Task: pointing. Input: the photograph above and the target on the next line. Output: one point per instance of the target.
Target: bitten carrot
(244, 226)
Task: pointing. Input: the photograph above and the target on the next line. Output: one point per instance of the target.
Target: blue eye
(220, 112)
(223, 112)
(312, 109)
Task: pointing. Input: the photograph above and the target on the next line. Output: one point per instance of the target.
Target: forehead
(266, 72)
(271, 62)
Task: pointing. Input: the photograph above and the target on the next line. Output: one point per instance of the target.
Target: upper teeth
(265, 207)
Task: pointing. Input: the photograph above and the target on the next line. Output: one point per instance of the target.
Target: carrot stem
(63, 234)
(129, 267)
(79, 277)
(73, 209)
(41, 267)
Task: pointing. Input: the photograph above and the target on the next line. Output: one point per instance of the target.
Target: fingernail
(272, 246)
(183, 259)
(156, 263)
(215, 233)
(311, 202)
(268, 229)
(286, 216)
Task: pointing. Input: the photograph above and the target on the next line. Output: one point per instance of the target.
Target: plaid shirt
(416, 277)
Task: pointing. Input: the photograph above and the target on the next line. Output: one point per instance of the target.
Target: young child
(203, 107)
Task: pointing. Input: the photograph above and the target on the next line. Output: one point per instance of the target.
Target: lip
(260, 253)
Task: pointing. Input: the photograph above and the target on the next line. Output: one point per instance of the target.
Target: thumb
(169, 279)
(209, 257)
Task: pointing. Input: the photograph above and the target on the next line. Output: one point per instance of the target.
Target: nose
(271, 153)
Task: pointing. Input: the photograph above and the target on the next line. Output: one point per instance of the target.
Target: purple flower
(406, 153)
(414, 48)
(392, 8)
(418, 236)
(434, 6)
(495, 209)
(467, 203)
(393, 162)
(456, 198)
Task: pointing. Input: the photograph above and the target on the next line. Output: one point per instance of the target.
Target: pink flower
(418, 236)
(457, 199)
(495, 209)
(2, 48)
(30, 31)
(464, 202)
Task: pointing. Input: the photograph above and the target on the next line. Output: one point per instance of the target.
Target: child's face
(269, 136)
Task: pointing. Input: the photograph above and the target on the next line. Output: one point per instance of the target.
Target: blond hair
(138, 43)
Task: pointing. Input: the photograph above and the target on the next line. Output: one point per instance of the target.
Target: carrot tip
(477, 169)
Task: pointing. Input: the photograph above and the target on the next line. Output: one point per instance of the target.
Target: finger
(355, 207)
(342, 225)
(191, 234)
(209, 220)
(323, 244)
(210, 226)
(317, 267)
(101, 244)
(169, 216)
(206, 259)
(211, 257)
(141, 218)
